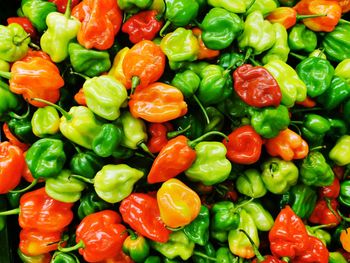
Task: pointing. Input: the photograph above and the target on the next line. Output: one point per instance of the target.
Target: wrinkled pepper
(45, 121)
(301, 38)
(250, 184)
(198, 229)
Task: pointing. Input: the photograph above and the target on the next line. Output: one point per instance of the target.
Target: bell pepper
(198, 229)
(224, 216)
(43, 258)
(269, 121)
(317, 75)
(314, 128)
(178, 204)
(256, 86)
(279, 175)
(45, 121)
(318, 232)
(25, 23)
(293, 89)
(325, 213)
(22, 128)
(117, 67)
(133, 6)
(258, 34)
(100, 22)
(336, 43)
(136, 247)
(88, 61)
(301, 38)
(327, 23)
(263, 6)
(220, 28)
(143, 64)
(141, 212)
(14, 42)
(62, 28)
(204, 52)
(11, 165)
(178, 245)
(262, 218)
(90, 203)
(339, 152)
(250, 184)
(344, 196)
(10, 102)
(86, 163)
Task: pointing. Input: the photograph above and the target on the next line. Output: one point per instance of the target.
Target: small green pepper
(45, 121)
(262, 218)
(224, 255)
(315, 128)
(90, 203)
(61, 257)
(180, 12)
(250, 184)
(263, 6)
(22, 129)
(344, 195)
(86, 163)
(337, 43)
(231, 60)
(134, 6)
(340, 153)
(336, 257)
(136, 247)
(187, 82)
(153, 259)
(107, 141)
(225, 216)
(302, 39)
(204, 254)
(198, 229)
(9, 101)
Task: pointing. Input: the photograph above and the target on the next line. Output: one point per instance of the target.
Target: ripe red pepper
(144, 25)
(62, 4)
(142, 213)
(323, 215)
(256, 86)
(315, 252)
(331, 191)
(244, 145)
(13, 139)
(25, 23)
(11, 165)
(157, 133)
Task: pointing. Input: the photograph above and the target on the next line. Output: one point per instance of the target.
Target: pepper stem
(173, 134)
(258, 255)
(82, 178)
(135, 81)
(5, 74)
(30, 186)
(144, 147)
(300, 17)
(132, 234)
(79, 74)
(202, 108)
(15, 211)
(318, 148)
(166, 25)
(68, 9)
(301, 57)
(202, 255)
(201, 138)
(247, 55)
(69, 249)
(322, 226)
(346, 219)
(254, 62)
(20, 41)
(308, 109)
(35, 46)
(329, 205)
(243, 204)
(60, 109)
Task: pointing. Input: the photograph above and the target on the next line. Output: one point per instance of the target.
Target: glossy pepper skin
(344, 196)
(256, 86)
(224, 216)
(180, 13)
(43, 258)
(90, 203)
(262, 218)
(314, 128)
(198, 229)
(250, 184)
(13, 139)
(133, 6)
(86, 163)
(301, 38)
(64, 257)
(22, 129)
(10, 101)
(117, 66)
(141, 212)
(100, 22)
(137, 247)
(158, 133)
(262, 6)
(45, 121)
(204, 52)
(230, 26)
(336, 43)
(233, 6)
(108, 140)
(25, 23)
(322, 215)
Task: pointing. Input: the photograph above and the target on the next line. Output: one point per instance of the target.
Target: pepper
(198, 229)
(230, 60)
(279, 175)
(344, 196)
(293, 89)
(88, 61)
(262, 218)
(178, 245)
(269, 121)
(344, 239)
(330, 191)
(133, 6)
(100, 22)
(323, 215)
(62, 28)
(25, 23)
(136, 247)
(9, 102)
(45, 121)
(117, 67)
(233, 6)
(256, 86)
(220, 28)
(62, 4)
(90, 203)
(315, 128)
(13, 139)
(318, 232)
(193, 119)
(336, 257)
(339, 152)
(250, 183)
(43, 258)
(22, 128)
(153, 259)
(204, 254)
(265, 7)
(144, 25)
(336, 43)
(86, 163)
(158, 133)
(224, 255)
(301, 38)
(317, 75)
(141, 212)
(14, 42)
(64, 257)
(204, 52)
(258, 34)
(224, 216)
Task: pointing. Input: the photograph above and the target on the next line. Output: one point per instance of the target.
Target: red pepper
(120, 258)
(13, 139)
(25, 23)
(141, 212)
(315, 252)
(256, 86)
(62, 4)
(331, 191)
(158, 136)
(323, 215)
(244, 145)
(11, 165)
(100, 22)
(144, 25)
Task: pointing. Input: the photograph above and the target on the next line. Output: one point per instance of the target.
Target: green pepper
(224, 255)
(211, 166)
(45, 158)
(153, 259)
(37, 11)
(220, 28)
(262, 218)
(264, 6)
(279, 175)
(258, 34)
(280, 49)
(233, 107)
(187, 82)
(86, 164)
(289, 3)
(45, 121)
(14, 42)
(13, 197)
(336, 257)
(230, 60)
(88, 61)
(134, 6)
(250, 184)
(225, 216)
(61, 257)
(269, 121)
(317, 75)
(216, 119)
(221, 236)
(315, 128)
(177, 245)
(90, 203)
(122, 153)
(340, 153)
(337, 43)
(204, 254)
(315, 170)
(318, 232)
(293, 89)
(194, 120)
(30, 259)
(198, 229)
(235, 6)
(64, 188)
(302, 199)
(338, 128)
(22, 128)
(342, 70)
(344, 195)
(136, 247)
(180, 12)
(301, 38)
(196, 66)
(9, 101)
(215, 86)
(107, 141)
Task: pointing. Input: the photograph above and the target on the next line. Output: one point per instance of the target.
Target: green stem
(318, 148)
(35, 46)
(285, 259)
(60, 109)
(144, 147)
(301, 57)
(135, 81)
(247, 55)
(244, 203)
(30, 186)
(166, 25)
(250, 6)
(68, 9)
(20, 117)
(346, 219)
(296, 127)
(173, 134)
(132, 234)
(201, 138)
(15, 211)
(329, 205)
(322, 226)
(202, 255)
(254, 62)
(202, 108)
(300, 17)
(174, 229)
(5, 74)
(69, 249)
(79, 74)
(297, 122)
(20, 41)
(82, 178)
(307, 109)
(258, 255)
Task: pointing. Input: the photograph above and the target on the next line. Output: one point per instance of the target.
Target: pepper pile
(176, 131)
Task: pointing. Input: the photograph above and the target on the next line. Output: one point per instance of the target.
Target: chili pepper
(250, 183)
(230, 60)
(221, 236)
(43, 258)
(13, 139)
(37, 11)
(117, 67)
(262, 218)
(198, 229)
(45, 158)
(269, 121)
(327, 23)
(344, 197)
(256, 86)
(88, 61)
(339, 152)
(10, 102)
(336, 257)
(64, 257)
(86, 163)
(258, 34)
(62, 28)
(204, 254)
(301, 38)
(90, 203)
(224, 216)
(133, 6)
(289, 3)
(153, 259)
(279, 175)
(323, 215)
(141, 212)
(100, 22)
(315, 128)
(144, 25)
(293, 89)
(136, 247)
(216, 119)
(203, 52)
(194, 120)
(336, 43)
(315, 251)
(344, 239)
(178, 245)
(330, 191)
(224, 254)
(25, 23)
(45, 121)
(108, 140)
(319, 233)
(342, 70)
(22, 128)
(62, 4)
(265, 7)
(220, 27)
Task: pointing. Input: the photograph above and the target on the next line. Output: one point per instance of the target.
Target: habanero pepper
(250, 184)
(25, 23)
(62, 4)
(43, 258)
(9, 101)
(45, 121)
(13, 139)
(204, 52)
(330, 191)
(136, 246)
(158, 136)
(325, 212)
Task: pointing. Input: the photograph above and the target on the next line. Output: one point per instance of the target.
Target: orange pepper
(36, 53)
(79, 97)
(307, 103)
(204, 52)
(179, 205)
(288, 145)
(345, 5)
(13, 139)
(157, 103)
(345, 239)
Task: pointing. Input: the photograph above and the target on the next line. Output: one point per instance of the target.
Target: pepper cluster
(175, 131)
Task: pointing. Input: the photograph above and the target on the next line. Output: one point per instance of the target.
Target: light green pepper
(45, 121)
